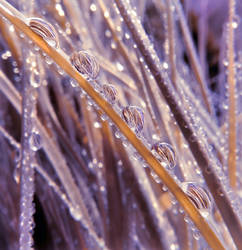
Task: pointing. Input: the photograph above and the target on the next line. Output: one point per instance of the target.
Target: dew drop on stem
(134, 117)
(75, 213)
(199, 196)
(85, 63)
(35, 79)
(16, 174)
(110, 93)
(35, 141)
(165, 153)
(44, 29)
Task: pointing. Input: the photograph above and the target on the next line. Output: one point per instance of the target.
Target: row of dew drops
(87, 65)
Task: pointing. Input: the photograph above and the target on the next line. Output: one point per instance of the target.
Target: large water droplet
(165, 153)
(199, 196)
(45, 30)
(86, 64)
(110, 93)
(134, 117)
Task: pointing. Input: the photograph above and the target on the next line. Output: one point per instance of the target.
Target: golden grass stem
(62, 60)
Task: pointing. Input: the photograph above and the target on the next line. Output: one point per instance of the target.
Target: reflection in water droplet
(35, 141)
(165, 153)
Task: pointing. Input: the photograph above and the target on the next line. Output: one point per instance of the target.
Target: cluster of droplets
(87, 65)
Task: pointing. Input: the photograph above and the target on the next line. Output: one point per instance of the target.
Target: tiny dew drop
(103, 117)
(16, 174)
(48, 60)
(35, 141)
(17, 156)
(75, 213)
(125, 143)
(35, 79)
(74, 83)
(196, 235)
(113, 45)
(118, 134)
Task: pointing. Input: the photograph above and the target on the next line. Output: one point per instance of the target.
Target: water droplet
(74, 83)
(186, 219)
(108, 33)
(86, 64)
(235, 22)
(117, 134)
(97, 125)
(113, 45)
(48, 60)
(75, 213)
(134, 117)
(165, 153)
(45, 30)
(104, 117)
(199, 196)
(35, 79)
(16, 174)
(127, 36)
(60, 71)
(106, 14)
(136, 156)
(196, 235)
(17, 156)
(110, 93)
(125, 143)
(35, 141)
(119, 66)
(93, 7)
